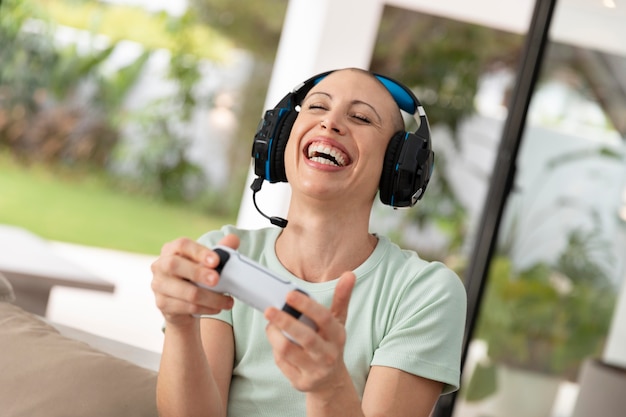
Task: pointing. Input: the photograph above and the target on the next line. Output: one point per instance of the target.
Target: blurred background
(125, 124)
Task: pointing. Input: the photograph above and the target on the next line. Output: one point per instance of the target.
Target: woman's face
(338, 141)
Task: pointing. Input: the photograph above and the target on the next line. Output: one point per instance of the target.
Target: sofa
(51, 370)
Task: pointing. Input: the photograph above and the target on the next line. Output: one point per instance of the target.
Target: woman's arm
(392, 392)
(195, 371)
(197, 358)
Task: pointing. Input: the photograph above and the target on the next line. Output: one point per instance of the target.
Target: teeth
(325, 154)
(324, 161)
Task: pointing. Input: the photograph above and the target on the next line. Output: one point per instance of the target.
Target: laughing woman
(389, 325)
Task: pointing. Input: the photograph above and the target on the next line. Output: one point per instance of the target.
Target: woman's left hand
(314, 363)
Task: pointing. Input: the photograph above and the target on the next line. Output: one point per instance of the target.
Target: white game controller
(253, 284)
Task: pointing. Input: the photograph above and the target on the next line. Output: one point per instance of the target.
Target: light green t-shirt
(404, 313)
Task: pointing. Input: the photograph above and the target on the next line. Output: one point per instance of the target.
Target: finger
(212, 260)
(283, 349)
(177, 246)
(191, 250)
(290, 328)
(277, 337)
(308, 307)
(196, 251)
(329, 327)
(192, 299)
(231, 240)
(177, 266)
(310, 356)
(341, 298)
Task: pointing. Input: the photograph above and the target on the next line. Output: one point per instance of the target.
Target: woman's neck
(320, 247)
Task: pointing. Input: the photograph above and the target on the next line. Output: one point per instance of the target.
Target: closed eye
(362, 118)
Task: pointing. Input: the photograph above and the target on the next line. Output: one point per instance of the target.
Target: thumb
(341, 298)
(231, 240)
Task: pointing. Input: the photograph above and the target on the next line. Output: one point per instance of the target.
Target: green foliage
(580, 260)
(551, 316)
(253, 25)
(441, 58)
(20, 50)
(64, 122)
(184, 65)
(120, 22)
(69, 110)
(71, 67)
(163, 165)
(256, 27)
(46, 113)
(543, 320)
(114, 88)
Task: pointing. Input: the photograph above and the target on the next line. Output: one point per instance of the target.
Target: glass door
(555, 276)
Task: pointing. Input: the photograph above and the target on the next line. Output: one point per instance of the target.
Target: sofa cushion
(43, 373)
(6, 290)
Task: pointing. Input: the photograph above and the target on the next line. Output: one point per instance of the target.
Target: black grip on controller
(292, 311)
(224, 256)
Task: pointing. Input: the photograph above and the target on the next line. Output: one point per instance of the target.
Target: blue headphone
(408, 162)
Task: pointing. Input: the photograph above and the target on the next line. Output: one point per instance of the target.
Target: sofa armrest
(138, 356)
(46, 373)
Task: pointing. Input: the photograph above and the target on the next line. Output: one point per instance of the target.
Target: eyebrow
(353, 102)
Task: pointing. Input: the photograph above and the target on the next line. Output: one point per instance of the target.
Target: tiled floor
(128, 315)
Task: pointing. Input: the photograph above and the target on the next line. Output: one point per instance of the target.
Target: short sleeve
(426, 335)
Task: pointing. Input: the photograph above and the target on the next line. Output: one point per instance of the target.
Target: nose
(331, 122)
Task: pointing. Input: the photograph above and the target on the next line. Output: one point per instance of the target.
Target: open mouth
(325, 154)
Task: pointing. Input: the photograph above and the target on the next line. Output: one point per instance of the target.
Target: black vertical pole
(502, 177)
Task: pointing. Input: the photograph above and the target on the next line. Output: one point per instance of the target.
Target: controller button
(224, 256)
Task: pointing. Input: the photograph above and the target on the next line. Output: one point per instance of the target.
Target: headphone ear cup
(277, 162)
(387, 178)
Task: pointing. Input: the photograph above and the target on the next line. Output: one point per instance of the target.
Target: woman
(389, 325)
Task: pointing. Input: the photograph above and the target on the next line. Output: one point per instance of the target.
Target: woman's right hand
(181, 263)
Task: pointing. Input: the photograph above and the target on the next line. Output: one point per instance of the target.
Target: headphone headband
(402, 95)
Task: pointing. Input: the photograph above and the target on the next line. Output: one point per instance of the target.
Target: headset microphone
(256, 187)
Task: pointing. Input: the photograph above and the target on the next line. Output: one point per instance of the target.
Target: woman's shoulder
(418, 271)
